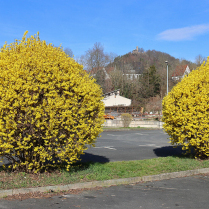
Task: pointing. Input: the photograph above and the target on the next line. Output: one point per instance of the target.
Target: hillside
(141, 76)
(140, 60)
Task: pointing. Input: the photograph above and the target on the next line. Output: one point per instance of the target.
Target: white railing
(134, 123)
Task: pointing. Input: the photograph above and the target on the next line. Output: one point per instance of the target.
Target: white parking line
(112, 148)
(140, 134)
(112, 135)
(148, 145)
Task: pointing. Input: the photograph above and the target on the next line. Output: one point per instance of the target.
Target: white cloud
(180, 34)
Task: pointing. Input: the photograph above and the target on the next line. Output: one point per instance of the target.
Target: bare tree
(117, 79)
(95, 59)
(199, 59)
(68, 51)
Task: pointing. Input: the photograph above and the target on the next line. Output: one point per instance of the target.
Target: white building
(132, 76)
(114, 99)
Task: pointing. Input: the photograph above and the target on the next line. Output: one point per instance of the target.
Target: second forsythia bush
(49, 106)
(126, 119)
(186, 112)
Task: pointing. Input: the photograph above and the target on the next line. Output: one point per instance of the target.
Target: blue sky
(177, 27)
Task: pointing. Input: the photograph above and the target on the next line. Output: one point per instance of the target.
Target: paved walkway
(185, 193)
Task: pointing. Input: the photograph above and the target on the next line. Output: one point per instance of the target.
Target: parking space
(130, 145)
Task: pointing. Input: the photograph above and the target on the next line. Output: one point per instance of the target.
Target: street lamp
(167, 75)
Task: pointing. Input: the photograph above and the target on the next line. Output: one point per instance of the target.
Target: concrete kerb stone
(105, 183)
(165, 176)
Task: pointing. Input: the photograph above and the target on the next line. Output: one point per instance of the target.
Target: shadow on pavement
(168, 151)
(87, 157)
(86, 160)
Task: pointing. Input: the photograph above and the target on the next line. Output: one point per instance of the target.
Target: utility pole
(167, 75)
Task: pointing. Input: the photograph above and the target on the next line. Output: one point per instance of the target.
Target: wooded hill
(150, 83)
(140, 75)
(140, 60)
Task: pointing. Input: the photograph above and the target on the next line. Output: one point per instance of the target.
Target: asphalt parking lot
(130, 145)
(188, 192)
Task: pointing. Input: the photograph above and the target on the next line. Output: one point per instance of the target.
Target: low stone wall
(134, 123)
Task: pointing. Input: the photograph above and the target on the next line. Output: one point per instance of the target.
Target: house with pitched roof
(180, 72)
(114, 99)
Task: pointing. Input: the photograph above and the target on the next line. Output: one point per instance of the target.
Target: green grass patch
(84, 172)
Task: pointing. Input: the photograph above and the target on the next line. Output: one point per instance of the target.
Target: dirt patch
(41, 195)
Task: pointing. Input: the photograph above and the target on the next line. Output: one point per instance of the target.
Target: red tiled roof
(179, 71)
(110, 69)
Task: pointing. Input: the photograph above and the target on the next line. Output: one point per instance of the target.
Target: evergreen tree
(150, 82)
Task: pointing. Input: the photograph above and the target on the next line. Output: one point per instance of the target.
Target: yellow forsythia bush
(49, 106)
(126, 119)
(186, 112)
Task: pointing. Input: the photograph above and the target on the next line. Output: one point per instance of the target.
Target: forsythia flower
(49, 106)
(186, 112)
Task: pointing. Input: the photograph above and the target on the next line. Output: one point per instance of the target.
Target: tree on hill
(95, 58)
(199, 59)
(94, 61)
(151, 82)
(68, 51)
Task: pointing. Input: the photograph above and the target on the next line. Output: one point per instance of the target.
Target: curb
(105, 183)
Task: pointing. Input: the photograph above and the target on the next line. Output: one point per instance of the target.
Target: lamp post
(167, 75)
